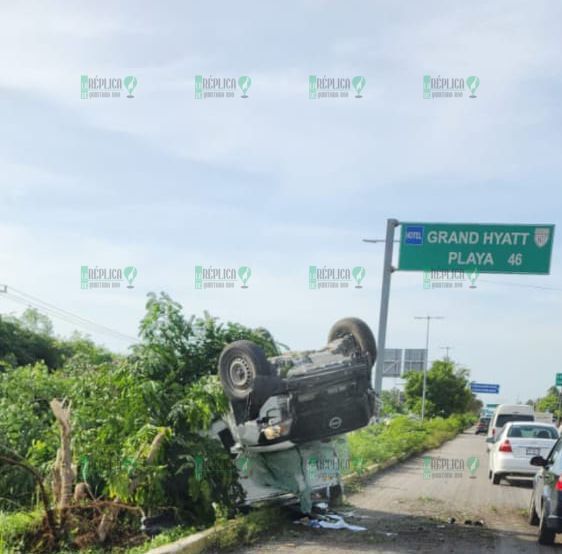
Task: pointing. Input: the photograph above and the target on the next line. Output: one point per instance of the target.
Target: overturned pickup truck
(288, 412)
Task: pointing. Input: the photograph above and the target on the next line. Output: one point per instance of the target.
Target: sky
(278, 182)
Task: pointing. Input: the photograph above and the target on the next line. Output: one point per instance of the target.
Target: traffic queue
(523, 444)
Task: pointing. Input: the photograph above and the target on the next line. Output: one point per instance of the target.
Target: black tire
(489, 474)
(496, 478)
(533, 517)
(361, 333)
(245, 372)
(546, 535)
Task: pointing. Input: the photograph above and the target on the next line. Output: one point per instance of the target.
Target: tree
(391, 402)
(176, 351)
(447, 390)
(36, 322)
(138, 422)
(549, 402)
(21, 346)
(475, 405)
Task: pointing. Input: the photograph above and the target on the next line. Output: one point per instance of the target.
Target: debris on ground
(328, 521)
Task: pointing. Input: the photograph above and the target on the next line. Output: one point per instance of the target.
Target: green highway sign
(559, 379)
(476, 248)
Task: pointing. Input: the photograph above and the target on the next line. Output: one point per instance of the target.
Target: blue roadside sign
(485, 388)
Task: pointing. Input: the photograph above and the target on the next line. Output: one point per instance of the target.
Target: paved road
(405, 512)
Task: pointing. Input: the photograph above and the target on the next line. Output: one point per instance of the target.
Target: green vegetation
(247, 529)
(90, 440)
(403, 436)
(549, 403)
(392, 402)
(15, 526)
(135, 423)
(447, 390)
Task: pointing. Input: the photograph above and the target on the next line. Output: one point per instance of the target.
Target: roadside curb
(198, 542)
(194, 544)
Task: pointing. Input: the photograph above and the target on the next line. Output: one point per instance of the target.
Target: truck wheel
(361, 333)
(244, 372)
(533, 518)
(546, 535)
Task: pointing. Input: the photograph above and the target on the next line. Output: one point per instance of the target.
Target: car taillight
(558, 485)
(505, 446)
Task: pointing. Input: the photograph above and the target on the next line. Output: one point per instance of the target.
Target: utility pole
(428, 318)
(391, 224)
(447, 348)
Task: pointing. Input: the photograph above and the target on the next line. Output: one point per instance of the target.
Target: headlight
(273, 432)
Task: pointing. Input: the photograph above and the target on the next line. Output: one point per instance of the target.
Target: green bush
(403, 436)
(15, 527)
(167, 389)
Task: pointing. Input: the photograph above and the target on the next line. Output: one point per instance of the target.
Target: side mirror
(538, 461)
(490, 440)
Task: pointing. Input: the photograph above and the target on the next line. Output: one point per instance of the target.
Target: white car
(515, 445)
(505, 413)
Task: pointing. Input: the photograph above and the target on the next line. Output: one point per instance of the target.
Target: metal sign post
(391, 224)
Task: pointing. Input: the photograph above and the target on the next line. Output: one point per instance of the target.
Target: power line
(91, 327)
(70, 314)
(518, 285)
(51, 310)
